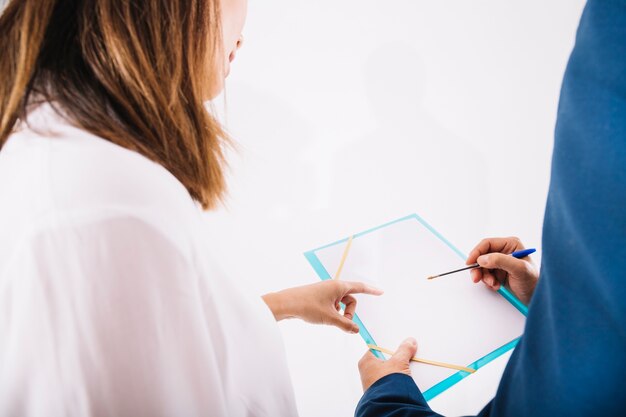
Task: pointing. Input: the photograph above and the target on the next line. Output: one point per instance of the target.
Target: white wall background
(352, 113)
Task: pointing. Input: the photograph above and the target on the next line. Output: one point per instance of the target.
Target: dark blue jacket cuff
(394, 395)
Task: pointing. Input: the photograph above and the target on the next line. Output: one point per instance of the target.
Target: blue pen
(518, 254)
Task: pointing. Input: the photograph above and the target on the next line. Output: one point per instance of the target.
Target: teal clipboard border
(440, 387)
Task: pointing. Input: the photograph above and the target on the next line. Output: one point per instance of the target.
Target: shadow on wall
(269, 166)
(409, 161)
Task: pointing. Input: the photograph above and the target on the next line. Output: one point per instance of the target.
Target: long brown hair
(131, 72)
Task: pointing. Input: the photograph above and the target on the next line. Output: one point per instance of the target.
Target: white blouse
(109, 304)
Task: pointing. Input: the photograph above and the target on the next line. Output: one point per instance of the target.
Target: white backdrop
(352, 113)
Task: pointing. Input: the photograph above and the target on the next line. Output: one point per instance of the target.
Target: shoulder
(50, 168)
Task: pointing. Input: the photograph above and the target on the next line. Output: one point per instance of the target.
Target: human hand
(498, 267)
(372, 369)
(319, 303)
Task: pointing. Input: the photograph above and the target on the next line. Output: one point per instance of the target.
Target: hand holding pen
(499, 268)
(502, 261)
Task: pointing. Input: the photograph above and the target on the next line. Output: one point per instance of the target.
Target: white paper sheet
(453, 319)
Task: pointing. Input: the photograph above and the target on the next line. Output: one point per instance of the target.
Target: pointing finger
(361, 288)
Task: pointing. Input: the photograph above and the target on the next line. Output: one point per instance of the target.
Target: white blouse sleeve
(104, 317)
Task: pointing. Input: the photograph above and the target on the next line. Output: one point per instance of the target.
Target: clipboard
(454, 320)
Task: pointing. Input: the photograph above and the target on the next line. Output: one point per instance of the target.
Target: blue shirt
(571, 360)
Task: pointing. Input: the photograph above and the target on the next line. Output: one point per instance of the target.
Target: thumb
(501, 261)
(343, 323)
(406, 351)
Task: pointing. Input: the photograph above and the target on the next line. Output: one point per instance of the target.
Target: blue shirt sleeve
(396, 395)
(571, 360)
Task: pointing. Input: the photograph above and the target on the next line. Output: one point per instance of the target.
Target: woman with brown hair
(108, 302)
